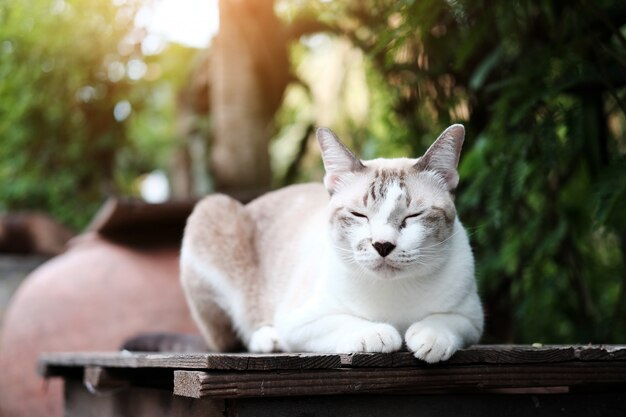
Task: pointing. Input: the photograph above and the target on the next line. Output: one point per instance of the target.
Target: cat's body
(383, 260)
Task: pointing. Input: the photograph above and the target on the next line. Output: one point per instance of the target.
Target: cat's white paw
(430, 343)
(374, 337)
(264, 340)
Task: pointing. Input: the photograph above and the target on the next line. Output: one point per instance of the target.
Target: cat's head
(392, 218)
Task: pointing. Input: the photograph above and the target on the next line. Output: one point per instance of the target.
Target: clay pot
(92, 297)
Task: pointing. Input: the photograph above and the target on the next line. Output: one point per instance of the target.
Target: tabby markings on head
(383, 179)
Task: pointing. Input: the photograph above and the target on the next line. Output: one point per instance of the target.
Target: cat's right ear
(338, 159)
(443, 156)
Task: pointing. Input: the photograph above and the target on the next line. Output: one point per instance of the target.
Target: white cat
(376, 254)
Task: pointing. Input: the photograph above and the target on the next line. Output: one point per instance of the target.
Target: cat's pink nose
(383, 248)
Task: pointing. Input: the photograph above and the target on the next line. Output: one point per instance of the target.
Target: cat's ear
(443, 156)
(338, 159)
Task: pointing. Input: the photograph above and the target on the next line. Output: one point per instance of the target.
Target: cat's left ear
(338, 159)
(443, 156)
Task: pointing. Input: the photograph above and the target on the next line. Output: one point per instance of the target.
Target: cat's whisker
(339, 248)
(443, 241)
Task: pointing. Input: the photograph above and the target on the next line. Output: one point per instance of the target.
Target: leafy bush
(71, 75)
(540, 86)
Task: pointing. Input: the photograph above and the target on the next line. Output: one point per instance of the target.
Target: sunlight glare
(188, 22)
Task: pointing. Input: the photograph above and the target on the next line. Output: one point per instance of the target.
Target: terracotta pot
(92, 297)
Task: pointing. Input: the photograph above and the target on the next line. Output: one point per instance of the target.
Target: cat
(372, 260)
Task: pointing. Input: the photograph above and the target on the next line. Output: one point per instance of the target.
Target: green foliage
(64, 67)
(57, 106)
(540, 86)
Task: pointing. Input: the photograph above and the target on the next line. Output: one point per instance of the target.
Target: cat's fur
(297, 270)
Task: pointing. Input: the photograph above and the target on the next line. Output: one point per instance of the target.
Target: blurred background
(170, 100)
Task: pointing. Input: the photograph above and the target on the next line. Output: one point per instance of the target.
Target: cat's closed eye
(410, 216)
(357, 214)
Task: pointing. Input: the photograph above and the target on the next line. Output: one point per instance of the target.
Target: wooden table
(482, 380)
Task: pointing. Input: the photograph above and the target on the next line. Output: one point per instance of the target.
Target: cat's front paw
(431, 343)
(265, 340)
(374, 337)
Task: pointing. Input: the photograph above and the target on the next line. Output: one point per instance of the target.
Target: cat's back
(290, 223)
(288, 208)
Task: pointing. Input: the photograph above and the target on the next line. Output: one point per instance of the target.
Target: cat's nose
(383, 248)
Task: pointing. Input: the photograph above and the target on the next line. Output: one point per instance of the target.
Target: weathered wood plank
(189, 383)
(401, 380)
(496, 354)
(52, 362)
(55, 363)
(541, 354)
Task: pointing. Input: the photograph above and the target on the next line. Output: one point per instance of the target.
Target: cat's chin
(387, 271)
(384, 270)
